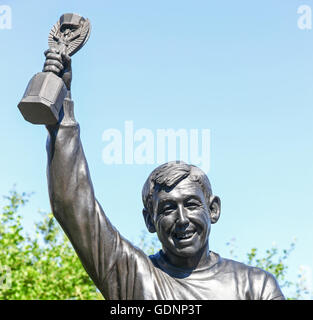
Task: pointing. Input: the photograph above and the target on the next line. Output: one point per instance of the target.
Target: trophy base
(43, 99)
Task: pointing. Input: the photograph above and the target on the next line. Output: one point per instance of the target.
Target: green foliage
(42, 267)
(273, 261)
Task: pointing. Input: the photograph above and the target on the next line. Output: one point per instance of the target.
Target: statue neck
(188, 263)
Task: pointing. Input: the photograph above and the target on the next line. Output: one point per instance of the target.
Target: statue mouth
(184, 235)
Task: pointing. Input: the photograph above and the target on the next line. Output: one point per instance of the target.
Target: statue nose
(182, 218)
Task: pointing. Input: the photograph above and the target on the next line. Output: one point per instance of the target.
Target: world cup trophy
(46, 91)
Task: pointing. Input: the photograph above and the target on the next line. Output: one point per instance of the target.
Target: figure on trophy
(45, 93)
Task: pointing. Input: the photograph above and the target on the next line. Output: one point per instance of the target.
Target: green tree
(44, 266)
(274, 261)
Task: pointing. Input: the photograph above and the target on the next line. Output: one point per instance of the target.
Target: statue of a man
(178, 205)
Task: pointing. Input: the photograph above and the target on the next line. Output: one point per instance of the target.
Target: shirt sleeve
(271, 289)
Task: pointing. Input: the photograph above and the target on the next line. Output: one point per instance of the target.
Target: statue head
(180, 207)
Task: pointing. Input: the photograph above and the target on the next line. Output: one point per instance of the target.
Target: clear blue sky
(243, 70)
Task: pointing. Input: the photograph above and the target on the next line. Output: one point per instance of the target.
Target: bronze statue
(178, 205)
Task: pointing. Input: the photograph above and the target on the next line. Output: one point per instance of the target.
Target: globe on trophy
(46, 91)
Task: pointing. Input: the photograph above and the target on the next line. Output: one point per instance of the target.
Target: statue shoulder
(260, 284)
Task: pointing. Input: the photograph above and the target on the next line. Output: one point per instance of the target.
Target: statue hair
(168, 175)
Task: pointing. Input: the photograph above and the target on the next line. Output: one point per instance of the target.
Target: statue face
(182, 219)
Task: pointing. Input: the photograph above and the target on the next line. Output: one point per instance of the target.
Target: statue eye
(192, 205)
(168, 209)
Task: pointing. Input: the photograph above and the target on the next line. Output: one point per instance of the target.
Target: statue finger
(51, 50)
(54, 63)
(52, 68)
(54, 56)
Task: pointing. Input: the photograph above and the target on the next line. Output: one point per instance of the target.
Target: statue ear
(215, 208)
(148, 220)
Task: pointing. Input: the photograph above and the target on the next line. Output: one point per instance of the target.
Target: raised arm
(98, 245)
(70, 188)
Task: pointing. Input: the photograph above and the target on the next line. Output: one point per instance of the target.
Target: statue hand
(59, 64)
